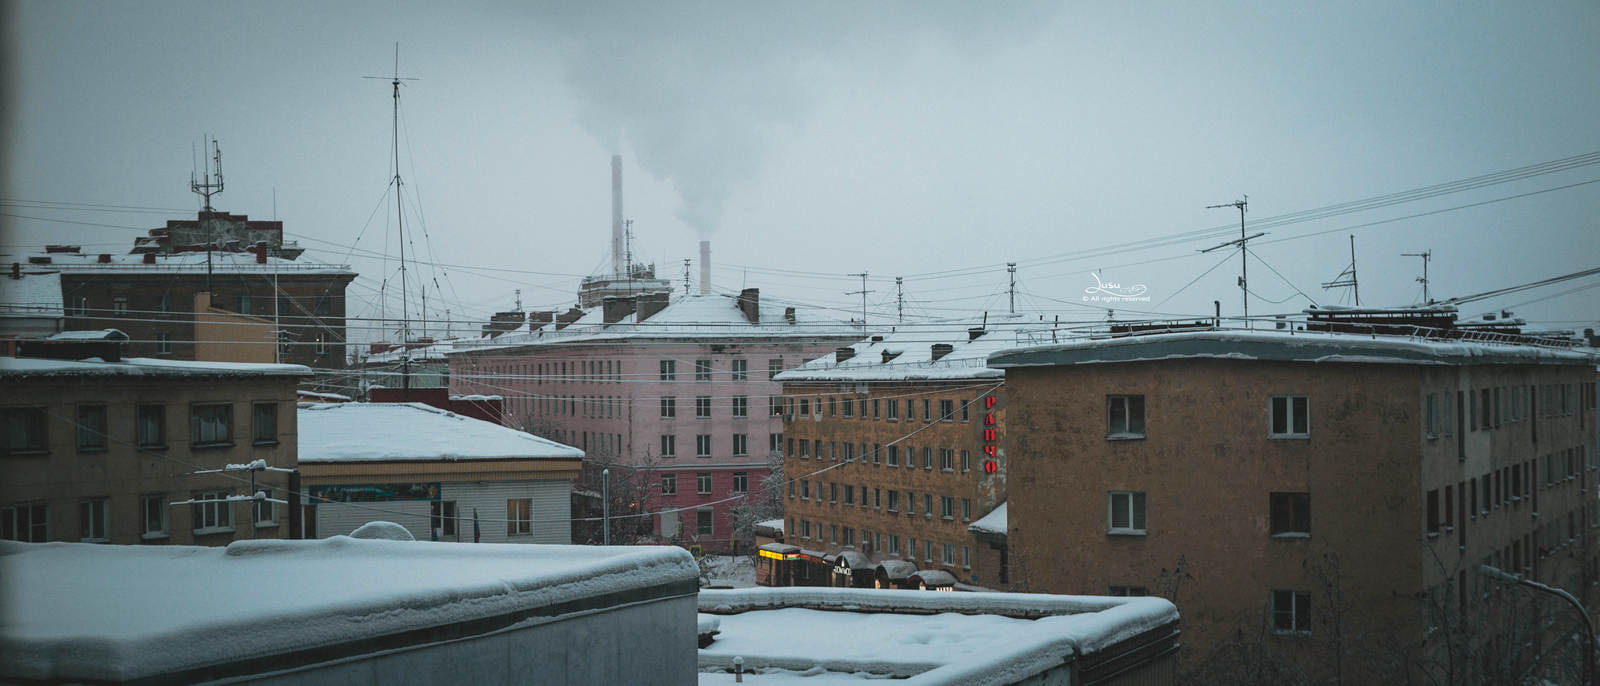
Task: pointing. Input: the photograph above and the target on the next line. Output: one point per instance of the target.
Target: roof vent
(974, 332)
(788, 314)
(843, 354)
(942, 349)
(889, 355)
(877, 339)
(38, 259)
(105, 258)
(149, 258)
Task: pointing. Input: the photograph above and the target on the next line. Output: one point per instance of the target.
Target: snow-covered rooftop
(992, 523)
(931, 637)
(226, 262)
(1288, 345)
(686, 317)
(908, 354)
(143, 366)
(356, 432)
(35, 294)
(73, 612)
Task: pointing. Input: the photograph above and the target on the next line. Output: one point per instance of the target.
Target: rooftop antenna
(900, 299)
(519, 299)
(1426, 255)
(399, 209)
(1347, 278)
(863, 293)
(685, 276)
(1012, 268)
(207, 187)
(1244, 267)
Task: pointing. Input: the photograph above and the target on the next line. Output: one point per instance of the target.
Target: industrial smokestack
(617, 267)
(705, 267)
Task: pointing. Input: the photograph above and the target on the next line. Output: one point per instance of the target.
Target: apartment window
(91, 427)
(927, 410)
(94, 520)
(947, 554)
(774, 405)
(850, 495)
(669, 407)
(805, 449)
(669, 485)
(947, 459)
(774, 367)
(805, 489)
(119, 306)
(894, 501)
(702, 445)
(163, 344)
(519, 516)
(775, 443)
(966, 461)
(927, 550)
(849, 409)
(78, 307)
(947, 410)
(1291, 514)
(669, 370)
(966, 557)
(741, 482)
(966, 410)
(927, 505)
(702, 407)
(740, 370)
(155, 516)
(1291, 417)
(1291, 612)
(927, 458)
(702, 483)
(894, 410)
(1126, 512)
(833, 406)
(894, 544)
(849, 537)
(1433, 416)
(25, 430)
(875, 408)
(266, 511)
(805, 407)
(833, 493)
(741, 406)
(1126, 416)
(966, 509)
(947, 507)
(894, 456)
(1487, 420)
(850, 452)
(163, 304)
(324, 306)
(741, 445)
(213, 513)
(1448, 414)
(442, 518)
(211, 425)
(26, 523)
(805, 528)
(265, 426)
(702, 370)
(669, 445)
(241, 304)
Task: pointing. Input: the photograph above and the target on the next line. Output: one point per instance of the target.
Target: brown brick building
(893, 447)
(1306, 489)
(100, 451)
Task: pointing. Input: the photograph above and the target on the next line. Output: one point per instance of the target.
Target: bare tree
(760, 505)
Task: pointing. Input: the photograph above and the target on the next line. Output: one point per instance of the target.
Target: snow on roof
(1437, 308)
(992, 523)
(974, 638)
(354, 432)
(1287, 345)
(226, 262)
(774, 524)
(35, 294)
(143, 366)
(688, 317)
(77, 611)
(435, 352)
(910, 353)
(99, 335)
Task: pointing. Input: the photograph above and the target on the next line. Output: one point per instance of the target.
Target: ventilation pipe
(705, 267)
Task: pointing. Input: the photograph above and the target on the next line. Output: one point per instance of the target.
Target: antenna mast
(206, 189)
(863, 293)
(1244, 265)
(899, 299)
(399, 209)
(1426, 256)
(1012, 268)
(1342, 282)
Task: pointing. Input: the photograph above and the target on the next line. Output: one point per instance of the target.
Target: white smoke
(702, 91)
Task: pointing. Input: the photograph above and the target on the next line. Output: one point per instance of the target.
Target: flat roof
(950, 637)
(25, 367)
(1286, 346)
(78, 611)
(413, 432)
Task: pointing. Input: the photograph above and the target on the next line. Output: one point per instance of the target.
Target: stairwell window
(1126, 420)
(1291, 417)
(1126, 516)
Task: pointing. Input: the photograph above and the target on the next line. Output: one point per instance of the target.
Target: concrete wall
(830, 428)
(61, 478)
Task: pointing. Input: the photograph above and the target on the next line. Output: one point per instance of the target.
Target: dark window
(163, 344)
(741, 406)
(669, 407)
(702, 407)
(1291, 513)
(324, 306)
(702, 483)
(152, 426)
(702, 370)
(27, 523)
(740, 370)
(1126, 416)
(1291, 612)
(947, 410)
(211, 425)
(741, 445)
(265, 424)
(1291, 416)
(702, 445)
(444, 518)
(1127, 512)
(703, 523)
(669, 370)
(91, 427)
(24, 430)
(669, 445)
(774, 367)
(741, 482)
(669, 484)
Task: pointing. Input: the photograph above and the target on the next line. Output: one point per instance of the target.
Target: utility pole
(1012, 268)
(863, 293)
(900, 299)
(1244, 265)
(1426, 255)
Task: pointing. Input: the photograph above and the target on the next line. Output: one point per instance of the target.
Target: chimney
(16, 270)
(615, 309)
(537, 320)
(149, 258)
(705, 267)
(975, 332)
(105, 258)
(941, 349)
(649, 304)
(750, 304)
(260, 249)
(572, 314)
(617, 251)
(843, 354)
(788, 314)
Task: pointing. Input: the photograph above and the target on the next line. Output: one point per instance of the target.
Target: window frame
(196, 426)
(1289, 515)
(208, 502)
(256, 416)
(1128, 404)
(1297, 411)
(94, 520)
(1298, 614)
(519, 517)
(702, 445)
(1136, 506)
(669, 484)
(90, 439)
(156, 503)
(669, 446)
(141, 437)
(34, 422)
(669, 407)
(741, 407)
(702, 370)
(668, 370)
(739, 369)
(703, 483)
(702, 407)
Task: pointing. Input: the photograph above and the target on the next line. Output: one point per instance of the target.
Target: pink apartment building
(678, 386)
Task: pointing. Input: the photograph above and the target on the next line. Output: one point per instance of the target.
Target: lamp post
(1588, 628)
(605, 503)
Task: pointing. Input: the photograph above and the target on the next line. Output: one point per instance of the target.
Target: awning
(933, 578)
(896, 570)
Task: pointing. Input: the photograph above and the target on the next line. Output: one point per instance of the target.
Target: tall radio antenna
(207, 188)
(1244, 265)
(399, 209)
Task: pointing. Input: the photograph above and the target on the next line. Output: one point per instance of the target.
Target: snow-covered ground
(730, 571)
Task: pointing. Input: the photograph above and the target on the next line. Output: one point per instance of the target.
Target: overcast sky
(809, 141)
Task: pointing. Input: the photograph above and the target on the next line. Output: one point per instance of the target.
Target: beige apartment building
(1298, 493)
(894, 447)
(106, 451)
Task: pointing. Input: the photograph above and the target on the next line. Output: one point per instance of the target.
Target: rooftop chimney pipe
(705, 267)
(617, 267)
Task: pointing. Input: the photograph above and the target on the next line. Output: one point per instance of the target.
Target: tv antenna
(900, 299)
(399, 209)
(1347, 278)
(1244, 265)
(863, 293)
(1426, 255)
(1011, 267)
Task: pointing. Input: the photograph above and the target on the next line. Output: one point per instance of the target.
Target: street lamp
(1588, 628)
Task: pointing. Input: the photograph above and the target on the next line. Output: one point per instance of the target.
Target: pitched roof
(411, 432)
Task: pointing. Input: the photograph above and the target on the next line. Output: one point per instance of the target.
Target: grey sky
(831, 138)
